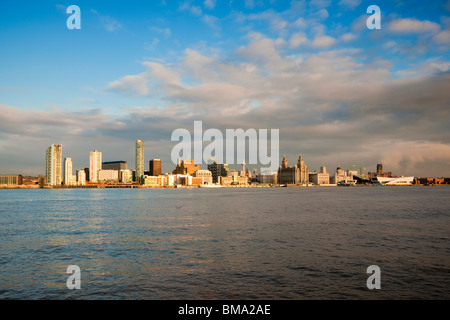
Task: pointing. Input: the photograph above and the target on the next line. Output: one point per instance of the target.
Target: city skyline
(55, 155)
(340, 93)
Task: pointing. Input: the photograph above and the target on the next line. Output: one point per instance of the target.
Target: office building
(319, 178)
(95, 164)
(155, 167)
(115, 165)
(108, 175)
(11, 179)
(54, 165)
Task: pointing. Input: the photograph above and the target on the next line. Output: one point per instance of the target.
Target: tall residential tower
(68, 172)
(95, 164)
(139, 159)
(54, 165)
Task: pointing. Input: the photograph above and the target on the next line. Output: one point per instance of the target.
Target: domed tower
(284, 162)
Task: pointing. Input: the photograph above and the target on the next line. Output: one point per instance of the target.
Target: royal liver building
(298, 174)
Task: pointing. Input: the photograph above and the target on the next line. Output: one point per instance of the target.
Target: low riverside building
(108, 176)
(11, 179)
(233, 180)
(268, 178)
(205, 174)
(152, 181)
(172, 180)
(126, 176)
(320, 178)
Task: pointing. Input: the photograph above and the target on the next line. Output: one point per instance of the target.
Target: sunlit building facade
(139, 159)
(54, 165)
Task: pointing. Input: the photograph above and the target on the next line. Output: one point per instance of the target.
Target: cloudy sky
(340, 94)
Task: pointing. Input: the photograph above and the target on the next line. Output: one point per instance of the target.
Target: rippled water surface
(260, 243)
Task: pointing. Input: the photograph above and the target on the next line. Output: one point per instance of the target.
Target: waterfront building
(108, 175)
(95, 164)
(81, 177)
(68, 172)
(243, 172)
(319, 178)
(170, 179)
(11, 179)
(339, 175)
(86, 173)
(380, 172)
(232, 173)
(115, 165)
(298, 174)
(152, 181)
(233, 180)
(186, 167)
(205, 174)
(126, 176)
(388, 181)
(155, 167)
(268, 178)
(218, 170)
(54, 165)
(139, 159)
(352, 173)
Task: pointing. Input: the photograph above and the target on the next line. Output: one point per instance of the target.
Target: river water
(246, 243)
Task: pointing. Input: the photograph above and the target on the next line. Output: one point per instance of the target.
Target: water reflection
(287, 243)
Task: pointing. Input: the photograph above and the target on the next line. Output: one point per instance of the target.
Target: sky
(339, 93)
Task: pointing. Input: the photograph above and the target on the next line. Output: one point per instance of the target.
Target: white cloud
(164, 31)
(323, 42)
(276, 22)
(209, 4)
(323, 14)
(109, 23)
(413, 26)
(442, 37)
(249, 4)
(347, 37)
(299, 23)
(193, 9)
(352, 4)
(297, 39)
(132, 84)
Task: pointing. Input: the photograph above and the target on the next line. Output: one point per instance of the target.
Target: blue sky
(141, 69)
